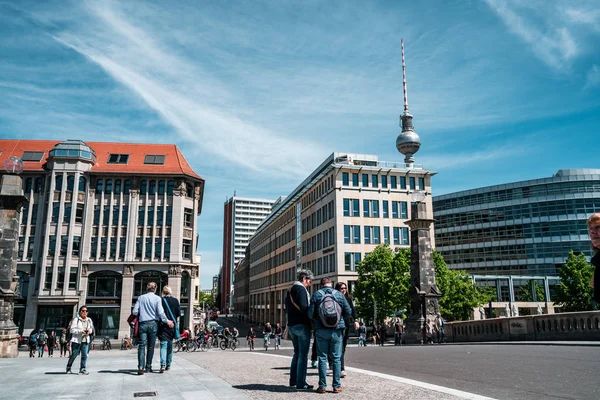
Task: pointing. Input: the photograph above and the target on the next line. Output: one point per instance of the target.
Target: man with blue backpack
(328, 308)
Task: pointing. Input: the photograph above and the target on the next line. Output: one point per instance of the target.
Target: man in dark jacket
(329, 338)
(166, 334)
(299, 326)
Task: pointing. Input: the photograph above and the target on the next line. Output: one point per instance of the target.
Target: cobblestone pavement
(265, 376)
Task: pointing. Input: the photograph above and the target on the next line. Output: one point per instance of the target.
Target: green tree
(206, 299)
(384, 277)
(525, 293)
(574, 291)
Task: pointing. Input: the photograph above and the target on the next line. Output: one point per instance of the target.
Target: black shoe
(162, 370)
(140, 371)
(168, 367)
(149, 370)
(306, 387)
(68, 370)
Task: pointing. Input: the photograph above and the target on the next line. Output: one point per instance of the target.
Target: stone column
(423, 289)
(11, 205)
(126, 300)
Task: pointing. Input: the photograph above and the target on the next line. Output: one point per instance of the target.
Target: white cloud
(554, 46)
(593, 77)
(590, 18)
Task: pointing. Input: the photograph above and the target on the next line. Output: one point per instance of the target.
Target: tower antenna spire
(404, 78)
(408, 142)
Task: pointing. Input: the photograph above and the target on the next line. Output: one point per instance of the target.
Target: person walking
(42, 339)
(362, 335)
(328, 309)
(82, 333)
(297, 303)
(398, 329)
(32, 343)
(51, 344)
(64, 343)
(439, 327)
(593, 224)
(343, 288)
(149, 310)
(167, 334)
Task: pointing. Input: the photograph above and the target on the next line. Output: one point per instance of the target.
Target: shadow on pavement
(119, 371)
(55, 373)
(267, 388)
(281, 368)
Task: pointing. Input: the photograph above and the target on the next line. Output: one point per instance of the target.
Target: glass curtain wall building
(521, 228)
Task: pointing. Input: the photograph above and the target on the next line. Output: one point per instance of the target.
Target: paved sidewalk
(112, 375)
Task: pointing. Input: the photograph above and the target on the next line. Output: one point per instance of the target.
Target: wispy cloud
(593, 77)
(554, 46)
(589, 17)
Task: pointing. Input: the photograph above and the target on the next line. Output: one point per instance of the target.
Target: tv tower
(408, 142)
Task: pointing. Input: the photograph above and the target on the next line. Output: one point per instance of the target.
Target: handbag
(134, 322)
(173, 319)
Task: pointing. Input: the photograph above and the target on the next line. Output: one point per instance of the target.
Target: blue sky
(257, 94)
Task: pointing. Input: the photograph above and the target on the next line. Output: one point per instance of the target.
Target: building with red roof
(102, 220)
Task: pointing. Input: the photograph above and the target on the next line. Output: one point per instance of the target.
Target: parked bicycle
(126, 343)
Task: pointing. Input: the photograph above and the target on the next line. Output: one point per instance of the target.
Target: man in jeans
(166, 334)
(297, 302)
(149, 311)
(329, 339)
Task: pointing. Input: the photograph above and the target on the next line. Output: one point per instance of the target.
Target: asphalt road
(498, 371)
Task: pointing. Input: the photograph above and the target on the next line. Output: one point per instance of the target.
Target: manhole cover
(145, 394)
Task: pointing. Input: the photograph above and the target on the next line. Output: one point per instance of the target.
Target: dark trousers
(344, 343)
(398, 338)
(64, 349)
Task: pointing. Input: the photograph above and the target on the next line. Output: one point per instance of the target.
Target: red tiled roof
(175, 162)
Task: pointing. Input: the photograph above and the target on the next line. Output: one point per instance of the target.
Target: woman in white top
(82, 331)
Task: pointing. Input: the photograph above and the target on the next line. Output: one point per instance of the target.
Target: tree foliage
(574, 291)
(525, 293)
(206, 299)
(384, 278)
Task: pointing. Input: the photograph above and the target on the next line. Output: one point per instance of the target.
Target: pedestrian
(328, 309)
(278, 333)
(42, 339)
(82, 334)
(64, 343)
(166, 334)
(439, 328)
(429, 327)
(382, 334)
(375, 333)
(32, 343)
(362, 335)
(51, 344)
(349, 322)
(398, 330)
(593, 224)
(149, 310)
(297, 302)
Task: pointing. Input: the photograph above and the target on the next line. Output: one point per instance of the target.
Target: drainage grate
(145, 394)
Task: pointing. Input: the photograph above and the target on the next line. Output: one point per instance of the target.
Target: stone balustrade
(546, 327)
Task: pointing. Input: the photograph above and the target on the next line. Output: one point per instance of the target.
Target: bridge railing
(546, 327)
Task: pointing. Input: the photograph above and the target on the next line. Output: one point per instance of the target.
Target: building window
(187, 249)
(70, 183)
(355, 180)
(374, 181)
(99, 185)
(402, 182)
(386, 234)
(148, 252)
(150, 215)
(421, 183)
(161, 187)
(351, 208)
(79, 214)
(400, 235)
(76, 242)
(103, 247)
(122, 247)
(385, 211)
(399, 209)
(188, 217)
(115, 216)
(73, 278)
(189, 190)
(105, 215)
(33, 156)
(154, 159)
(141, 280)
(117, 186)
(170, 187)
(113, 248)
(345, 179)
(152, 189)
(21, 249)
(141, 215)
(105, 284)
(52, 246)
(125, 215)
(108, 187)
(126, 186)
(160, 210)
(96, 215)
(157, 248)
(372, 235)
(60, 279)
(58, 183)
(28, 185)
(365, 180)
(81, 187)
(393, 182)
(55, 211)
(167, 248)
(143, 187)
(351, 234)
(118, 159)
(48, 278)
(67, 215)
(38, 185)
(351, 261)
(94, 247)
(384, 181)
(169, 216)
(371, 208)
(138, 247)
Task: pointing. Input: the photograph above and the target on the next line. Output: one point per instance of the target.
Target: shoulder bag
(176, 326)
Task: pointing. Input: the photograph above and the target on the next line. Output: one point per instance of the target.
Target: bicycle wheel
(109, 346)
(177, 347)
(203, 347)
(223, 345)
(191, 346)
(233, 346)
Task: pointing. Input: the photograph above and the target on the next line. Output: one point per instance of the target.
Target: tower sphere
(408, 143)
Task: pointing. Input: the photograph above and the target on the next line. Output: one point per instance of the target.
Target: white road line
(424, 385)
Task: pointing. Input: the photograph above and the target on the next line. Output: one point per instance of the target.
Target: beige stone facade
(341, 212)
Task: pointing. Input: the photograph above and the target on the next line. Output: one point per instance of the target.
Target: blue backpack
(330, 311)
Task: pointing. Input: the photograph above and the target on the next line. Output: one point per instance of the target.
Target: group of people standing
(329, 312)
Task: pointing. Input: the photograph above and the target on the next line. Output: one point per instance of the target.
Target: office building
(345, 208)
(102, 220)
(242, 216)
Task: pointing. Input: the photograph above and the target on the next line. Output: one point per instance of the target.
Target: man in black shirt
(299, 326)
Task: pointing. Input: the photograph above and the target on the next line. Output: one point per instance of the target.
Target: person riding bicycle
(250, 337)
(267, 331)
(235, 334)
(227, 336)
(278, 333)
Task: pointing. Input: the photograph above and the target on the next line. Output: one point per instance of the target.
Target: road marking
(424, 385)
